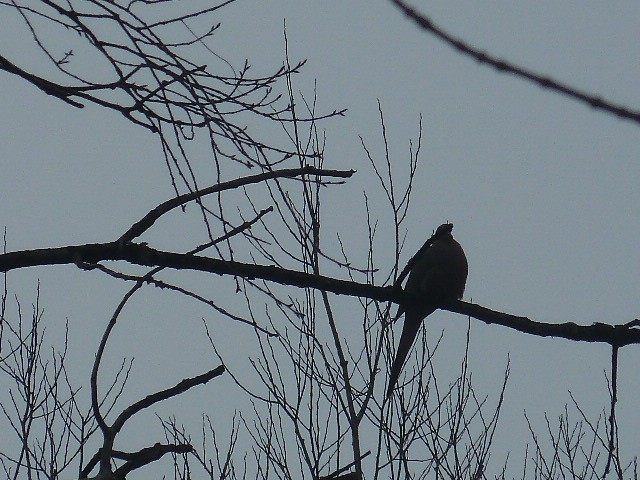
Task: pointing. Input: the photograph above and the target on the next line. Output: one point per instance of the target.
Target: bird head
(444, 229)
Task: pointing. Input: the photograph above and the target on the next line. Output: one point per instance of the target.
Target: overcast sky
(543, 191)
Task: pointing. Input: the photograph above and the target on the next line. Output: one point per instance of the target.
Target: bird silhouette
(438, 275)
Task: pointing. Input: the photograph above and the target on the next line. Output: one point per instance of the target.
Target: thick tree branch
(146, 456)
(141, 254)
(620, 335)
(50, 88)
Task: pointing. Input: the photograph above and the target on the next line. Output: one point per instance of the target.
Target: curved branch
(108, 433)
(149, 219)
(503, 66)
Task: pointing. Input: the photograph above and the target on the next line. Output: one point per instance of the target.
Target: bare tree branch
(177, 389)
(593, 101)
(140, 254)
(149, 219)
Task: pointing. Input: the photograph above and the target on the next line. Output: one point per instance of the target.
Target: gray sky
(542, 190)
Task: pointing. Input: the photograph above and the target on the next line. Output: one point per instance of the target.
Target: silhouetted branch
(146, 456)
(613, 426)
(142, 254)
(340, 475)
(620, 335)
(503, 66)
(60, 91)
(177, 389)
(149, 219)
(137, 459)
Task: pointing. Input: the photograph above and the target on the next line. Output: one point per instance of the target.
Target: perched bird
(438, 275)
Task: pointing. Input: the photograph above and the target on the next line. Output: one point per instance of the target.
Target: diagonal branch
(503, 66)
(177, 389)
(149, 219)
(62, 92)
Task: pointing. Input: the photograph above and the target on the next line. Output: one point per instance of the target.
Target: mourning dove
(438, 275)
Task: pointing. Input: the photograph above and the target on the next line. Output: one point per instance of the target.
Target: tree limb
(503, 66)
(141, 254)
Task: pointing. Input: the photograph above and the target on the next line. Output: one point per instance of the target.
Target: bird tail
(410, 330)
